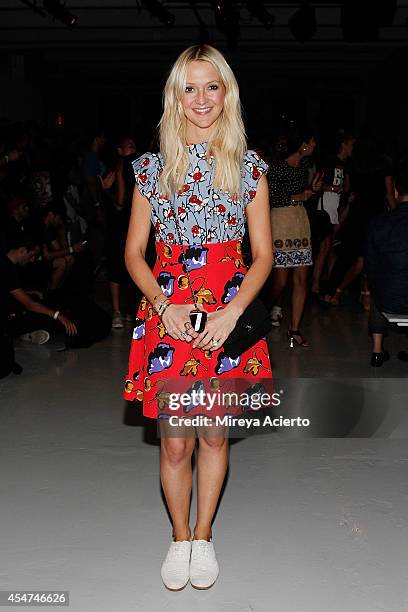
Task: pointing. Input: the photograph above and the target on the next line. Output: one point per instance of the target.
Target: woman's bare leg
(176, 479)
(212, 464)
(59, 270)
(279, 281)
(299, 291)
(352, 273)
(378, 343)
(325, 247)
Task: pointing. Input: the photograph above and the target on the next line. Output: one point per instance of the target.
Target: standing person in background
(289, 188)
(93, 167)
(97, 177)
(118, 216)
(336, 188)
(372, 183)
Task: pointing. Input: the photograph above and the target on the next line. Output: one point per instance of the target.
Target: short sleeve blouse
(204, 215)
(285, 181)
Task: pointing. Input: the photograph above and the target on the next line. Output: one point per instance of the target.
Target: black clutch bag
(253, 325)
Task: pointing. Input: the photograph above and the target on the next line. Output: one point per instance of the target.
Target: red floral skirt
(159, 365)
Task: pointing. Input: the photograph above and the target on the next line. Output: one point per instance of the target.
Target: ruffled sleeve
(254, 168)
(146, 169)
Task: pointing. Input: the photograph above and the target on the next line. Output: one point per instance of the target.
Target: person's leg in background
(352, 273)
(117, 321)
(378, 328)
(320, 260)
(299, 292)
(345, 269)
(280, 277)
(60, 270)
(321, 238)
(332, 257)
(33, 327)
(114, 254)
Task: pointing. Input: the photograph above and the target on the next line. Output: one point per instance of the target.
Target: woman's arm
(221, 323)
(136, 244)
(260, 235)
(176, 316)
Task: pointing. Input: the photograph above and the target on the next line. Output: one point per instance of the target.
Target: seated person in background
(21, 315)
(15, 222)
(386, 263)
(56, 251)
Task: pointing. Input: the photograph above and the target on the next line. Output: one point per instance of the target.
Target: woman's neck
(294, 159)
(197, 136)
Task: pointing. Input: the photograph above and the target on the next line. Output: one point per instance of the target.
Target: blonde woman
(197, 192)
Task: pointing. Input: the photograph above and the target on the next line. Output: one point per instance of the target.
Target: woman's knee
(300, 277)
(359, 264)
(280, 280)
(214, 441)
(177, 450)
(59, 263)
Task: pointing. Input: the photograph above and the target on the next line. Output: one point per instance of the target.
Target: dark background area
(109, 70)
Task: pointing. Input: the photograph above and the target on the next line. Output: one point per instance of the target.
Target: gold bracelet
(157, 303)
(158, 295)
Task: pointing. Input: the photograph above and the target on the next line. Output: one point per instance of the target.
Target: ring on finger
(184, 335)
(214, 343)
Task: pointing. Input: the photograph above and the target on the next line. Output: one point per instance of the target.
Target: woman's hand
(70, 327)
(78, 247)
(108, 180)
(317, 182)
(35, 293)
(219, 326)
(176, 320)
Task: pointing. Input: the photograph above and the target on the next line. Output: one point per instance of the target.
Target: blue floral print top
(204, 216)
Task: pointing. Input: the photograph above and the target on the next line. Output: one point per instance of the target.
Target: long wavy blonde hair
(228, 142)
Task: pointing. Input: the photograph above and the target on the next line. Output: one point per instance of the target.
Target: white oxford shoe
(204, 568)
(175, 568)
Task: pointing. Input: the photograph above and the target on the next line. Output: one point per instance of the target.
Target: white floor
(304, 525)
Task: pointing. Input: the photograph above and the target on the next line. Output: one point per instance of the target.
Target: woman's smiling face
(203, 98)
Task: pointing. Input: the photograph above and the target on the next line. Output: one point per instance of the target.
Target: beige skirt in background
(291, 237)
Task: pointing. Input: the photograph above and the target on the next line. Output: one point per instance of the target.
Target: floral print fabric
(204, 216)
(159, 365)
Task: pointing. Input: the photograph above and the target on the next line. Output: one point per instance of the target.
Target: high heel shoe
(377, 359)
(335, 299)
(292, 333)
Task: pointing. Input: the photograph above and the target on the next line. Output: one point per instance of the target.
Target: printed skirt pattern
(291, 237)
(158, 363)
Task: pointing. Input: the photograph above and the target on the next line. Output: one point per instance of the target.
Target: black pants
(377, 323)
(26, 322)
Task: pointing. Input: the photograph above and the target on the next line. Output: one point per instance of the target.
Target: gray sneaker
(117, 320)
(39, 336)
(276, 316)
